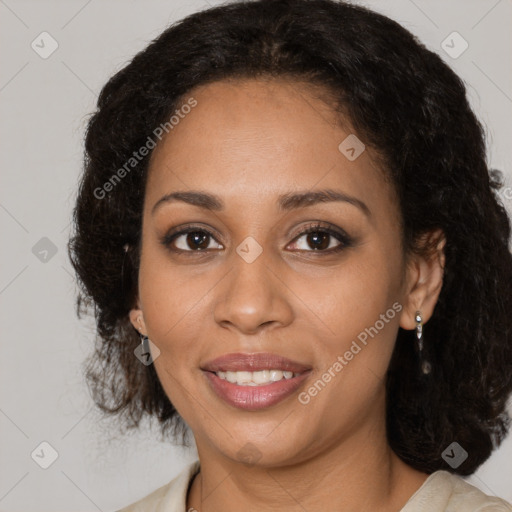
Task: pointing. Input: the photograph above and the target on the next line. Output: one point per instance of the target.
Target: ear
(137, 319)
(424, 280)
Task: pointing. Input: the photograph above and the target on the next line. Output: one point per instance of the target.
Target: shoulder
(171, 497)
(445, 492)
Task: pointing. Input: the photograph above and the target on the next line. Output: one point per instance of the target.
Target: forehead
(254, 139)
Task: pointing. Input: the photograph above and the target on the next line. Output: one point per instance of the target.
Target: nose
(253, 296)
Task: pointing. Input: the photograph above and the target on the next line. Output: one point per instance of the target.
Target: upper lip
(239, 362)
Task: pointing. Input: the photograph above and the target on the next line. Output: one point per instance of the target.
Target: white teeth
(261, 377)
(255, 378)
(276, 375)
(230, 376)
(244, 377)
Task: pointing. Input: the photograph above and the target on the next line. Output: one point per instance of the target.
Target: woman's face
(250, 281)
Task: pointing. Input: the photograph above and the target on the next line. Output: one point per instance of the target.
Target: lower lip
(253, 398)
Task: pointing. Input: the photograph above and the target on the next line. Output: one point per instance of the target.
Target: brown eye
(317, 238)
(190, 240)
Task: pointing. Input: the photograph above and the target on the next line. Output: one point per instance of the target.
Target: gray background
(44, 105)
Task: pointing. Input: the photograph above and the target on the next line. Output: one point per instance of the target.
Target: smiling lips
(254, 381)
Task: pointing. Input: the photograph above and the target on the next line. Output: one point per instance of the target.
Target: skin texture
(249, 142)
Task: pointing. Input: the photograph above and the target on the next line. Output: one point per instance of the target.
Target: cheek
(172, 302)
(358, 292)
(350, 380)
(362, 312)
(173, 306)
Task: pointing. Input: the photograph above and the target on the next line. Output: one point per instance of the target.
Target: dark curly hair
(407, 105)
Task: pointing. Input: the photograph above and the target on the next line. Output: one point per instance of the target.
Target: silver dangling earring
(144, 340)
(425, 365)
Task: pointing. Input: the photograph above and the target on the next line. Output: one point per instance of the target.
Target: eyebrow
(286, 202)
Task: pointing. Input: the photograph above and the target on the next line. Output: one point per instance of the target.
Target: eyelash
(342, 237)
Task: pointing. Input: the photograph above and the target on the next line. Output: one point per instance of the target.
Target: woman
(294, 250)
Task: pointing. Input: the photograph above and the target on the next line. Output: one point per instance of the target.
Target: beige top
(441, 492)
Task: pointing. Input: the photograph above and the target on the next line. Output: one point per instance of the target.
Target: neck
(359, 473)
